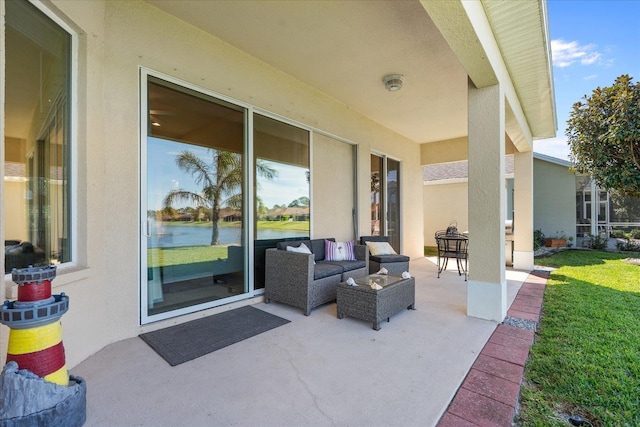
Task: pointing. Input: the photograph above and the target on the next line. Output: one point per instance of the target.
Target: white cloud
(591, 77)
(566, 53)
(555, 147)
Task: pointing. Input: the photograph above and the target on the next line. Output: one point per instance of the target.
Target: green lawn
(586, 356)
(163, 257)
(284, 225)
(430, 251)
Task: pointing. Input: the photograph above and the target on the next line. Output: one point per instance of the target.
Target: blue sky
(592, 43)
(164, 175)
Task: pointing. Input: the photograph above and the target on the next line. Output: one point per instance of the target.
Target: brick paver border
(489, 394)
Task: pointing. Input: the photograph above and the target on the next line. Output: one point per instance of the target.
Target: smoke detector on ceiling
(393, 82)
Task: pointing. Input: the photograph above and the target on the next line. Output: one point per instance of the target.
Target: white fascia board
(484, 33)
(551, 159)
(447, 181)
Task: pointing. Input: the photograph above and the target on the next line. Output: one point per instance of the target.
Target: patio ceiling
(345, 48)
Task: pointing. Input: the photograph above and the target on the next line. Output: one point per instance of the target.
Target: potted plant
(557, 241)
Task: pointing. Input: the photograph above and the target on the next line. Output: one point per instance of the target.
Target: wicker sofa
(395, 264)
(307, 281)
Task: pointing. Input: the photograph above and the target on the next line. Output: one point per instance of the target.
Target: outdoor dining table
(452, 245)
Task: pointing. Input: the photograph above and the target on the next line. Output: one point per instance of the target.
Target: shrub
(598, 242)
(635, 234)
(618, 234)
(538, 239)
(627, 246)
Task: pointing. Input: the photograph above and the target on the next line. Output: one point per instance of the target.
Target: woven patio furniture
(394, 263)
(307, 281)
(375, 305)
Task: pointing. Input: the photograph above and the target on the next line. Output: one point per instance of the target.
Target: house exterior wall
(554, 202)
(451, 150)
(332, 158)
(115, 39)
(554, 207)
(442, 204)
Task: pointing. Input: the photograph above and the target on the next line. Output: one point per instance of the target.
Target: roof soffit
(344, 49)
(521, 33)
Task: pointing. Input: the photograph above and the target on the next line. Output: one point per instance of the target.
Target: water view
(188, 235)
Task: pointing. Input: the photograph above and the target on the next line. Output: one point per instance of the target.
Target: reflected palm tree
(221, 182)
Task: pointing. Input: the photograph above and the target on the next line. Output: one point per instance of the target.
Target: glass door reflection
(194, 201)
(282, 180)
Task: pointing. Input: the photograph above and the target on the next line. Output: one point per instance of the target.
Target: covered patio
(278, 78)
(314, 371)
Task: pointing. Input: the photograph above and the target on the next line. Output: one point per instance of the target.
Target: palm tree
(221, 182)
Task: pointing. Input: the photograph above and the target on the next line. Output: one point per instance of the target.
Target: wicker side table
(375, 305)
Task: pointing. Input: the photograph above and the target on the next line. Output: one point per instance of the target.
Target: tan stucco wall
(553, 207)
(451, 150)
(333, 169)
(554, 195)
(16, 214)
(442, 204)
(116, 38)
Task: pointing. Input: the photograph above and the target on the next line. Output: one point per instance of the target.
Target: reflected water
(175, 236)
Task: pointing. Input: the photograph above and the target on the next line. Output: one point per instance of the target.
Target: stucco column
(487, 286)
(523, 210)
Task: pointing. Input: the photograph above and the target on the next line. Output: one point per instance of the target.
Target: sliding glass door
(282, 177)
(194, 231)
(385, 199)
(393, 203)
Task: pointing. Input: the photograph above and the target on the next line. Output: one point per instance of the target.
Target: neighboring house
(554, 200)
(446, 195)
(563, 202)
(110, 107)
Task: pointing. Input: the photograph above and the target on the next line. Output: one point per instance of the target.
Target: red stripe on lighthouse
(41, 363)
(34, 291)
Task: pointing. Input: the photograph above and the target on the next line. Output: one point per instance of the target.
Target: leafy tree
(300, 202)
(625, 208)
(170, 212)
(604, 136)
(221, 182)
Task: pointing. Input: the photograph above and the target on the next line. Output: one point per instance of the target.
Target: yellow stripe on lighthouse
(23, 341)
(60, 377)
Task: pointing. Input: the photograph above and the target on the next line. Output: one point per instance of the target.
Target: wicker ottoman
(375, 305)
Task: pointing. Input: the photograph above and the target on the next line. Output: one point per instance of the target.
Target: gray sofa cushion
(364, 239)
(350, 265)
(324, 269)
(389, 258)
(295, 243)
(317, 247)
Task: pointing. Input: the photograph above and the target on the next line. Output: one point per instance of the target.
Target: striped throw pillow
(339, 251)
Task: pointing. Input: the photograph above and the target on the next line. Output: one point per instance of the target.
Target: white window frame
(72, 131)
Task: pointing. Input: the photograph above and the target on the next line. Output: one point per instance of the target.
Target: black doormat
(188, 341)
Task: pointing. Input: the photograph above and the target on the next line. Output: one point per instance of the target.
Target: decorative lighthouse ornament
(35, 337)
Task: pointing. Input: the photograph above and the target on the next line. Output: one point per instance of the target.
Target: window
(36, 139)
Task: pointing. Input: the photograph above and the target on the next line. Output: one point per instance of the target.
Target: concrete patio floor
(314, 371)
